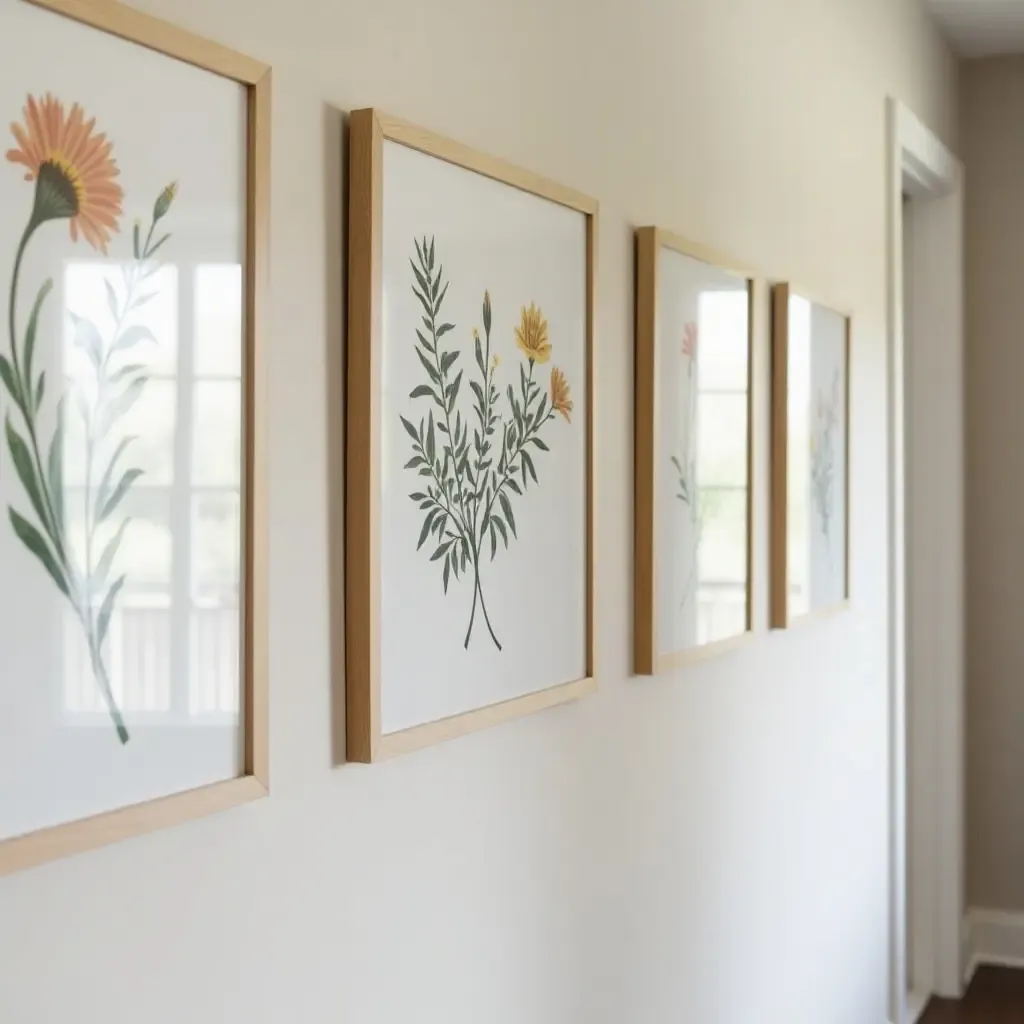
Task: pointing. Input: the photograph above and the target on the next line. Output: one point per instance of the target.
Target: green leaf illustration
(119, 405)
(157, 246)
(129, 477)
(9, 379)
(506, 507)
(425, 532)
(103, 491)
(423, 391)
(420, 279)
(32, 328)
(131, 337)
(454, 393)
(106, 610)
(501, 527)
(22, 459)
(528, 464)
(55, 467)
(112, 303)
(99, 575)
(88, 339)
(128, 370)
(410, 429)
(32, 539)
(431, 372)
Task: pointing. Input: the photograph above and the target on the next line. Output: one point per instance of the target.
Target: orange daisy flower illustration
(72, 167)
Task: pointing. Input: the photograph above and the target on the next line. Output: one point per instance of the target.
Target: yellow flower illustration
(476, 334)
(495, 361)
(532, 335)
(561, 401)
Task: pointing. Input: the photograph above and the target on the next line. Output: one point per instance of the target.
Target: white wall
(709, 847)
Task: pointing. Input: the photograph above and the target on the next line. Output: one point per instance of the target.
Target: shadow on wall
(335, 231)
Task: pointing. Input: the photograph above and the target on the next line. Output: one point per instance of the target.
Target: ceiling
(978, 28)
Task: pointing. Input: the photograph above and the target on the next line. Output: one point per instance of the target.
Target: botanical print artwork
(76, 179)
(477, 466)
(685, 464)
(823, 430)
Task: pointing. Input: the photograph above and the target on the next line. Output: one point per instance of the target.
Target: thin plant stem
(523, 441)
(478, 532)
(487, 618)
(103, 682)
(472, 611)
(51, 524)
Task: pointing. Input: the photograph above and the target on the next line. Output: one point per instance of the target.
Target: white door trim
(919, 165)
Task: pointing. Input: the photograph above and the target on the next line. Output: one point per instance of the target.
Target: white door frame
(925, 481)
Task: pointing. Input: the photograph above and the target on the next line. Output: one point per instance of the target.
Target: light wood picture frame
(127, 34)
(691, 300)
(391, 164)
(810, 555)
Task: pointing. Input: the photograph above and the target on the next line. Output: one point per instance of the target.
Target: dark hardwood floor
(995, 996)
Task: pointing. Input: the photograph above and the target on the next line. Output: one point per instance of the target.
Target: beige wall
(992, 112)
(710, 847)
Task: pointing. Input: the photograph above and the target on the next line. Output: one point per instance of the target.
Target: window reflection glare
(722, 474)
(173, 644)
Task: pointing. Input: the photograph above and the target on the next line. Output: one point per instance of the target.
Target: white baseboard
(917, 1003)
(992, 937)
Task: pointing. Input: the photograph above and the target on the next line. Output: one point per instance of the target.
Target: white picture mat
(702, 570)
(817, 386)
(523, 249)
(60, 759)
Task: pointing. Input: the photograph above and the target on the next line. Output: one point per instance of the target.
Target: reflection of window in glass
(722, 475)
(140, 437)
(798, 383)
(173, 642)
(215, 491)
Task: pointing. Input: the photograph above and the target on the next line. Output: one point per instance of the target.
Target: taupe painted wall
(710, 847)
(992, 146)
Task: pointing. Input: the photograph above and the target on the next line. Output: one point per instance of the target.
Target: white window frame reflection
(173, 651)
(725, 596)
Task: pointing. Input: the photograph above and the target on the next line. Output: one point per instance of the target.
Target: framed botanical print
(133, 234)
(693, 464)
(469, 550)
(810, 499)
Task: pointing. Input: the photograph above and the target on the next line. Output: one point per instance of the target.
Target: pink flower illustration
(690, 341)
